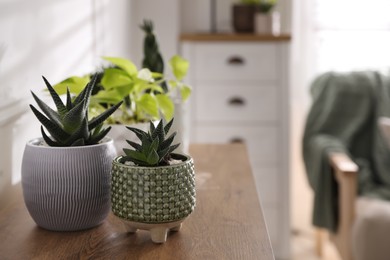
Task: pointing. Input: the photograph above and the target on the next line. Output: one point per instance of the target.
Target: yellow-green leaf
(114, 78)
(185, 92)
(75, 85)
(148, 104)
(166, 106)
(179, 66)
(124, 64)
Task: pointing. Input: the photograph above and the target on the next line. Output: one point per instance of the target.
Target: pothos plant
(144, 98)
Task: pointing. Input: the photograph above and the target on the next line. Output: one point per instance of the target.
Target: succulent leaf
(74, 117)
(138, 132)
(167, 127)
(100, 135)
(56, 98)
(68, 126)
(155, 149)
(103, 116)
(68, 100)
(50, 113)
(135, 145)
(53, 129)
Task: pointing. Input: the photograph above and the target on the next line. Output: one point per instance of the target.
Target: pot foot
(177, 228)
(159, 234)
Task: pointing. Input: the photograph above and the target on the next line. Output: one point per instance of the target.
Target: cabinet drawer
(235, 61)
(236, 103)
(266, 180)
(262, 141)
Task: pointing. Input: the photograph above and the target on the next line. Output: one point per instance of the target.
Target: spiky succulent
(69, 125)
(155, 149)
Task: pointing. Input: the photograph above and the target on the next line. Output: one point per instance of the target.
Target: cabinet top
(233, 37)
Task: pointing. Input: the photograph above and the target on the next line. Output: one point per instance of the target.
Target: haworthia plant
(69, 125)
(155, 148)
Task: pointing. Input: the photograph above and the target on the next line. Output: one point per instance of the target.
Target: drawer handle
(236, 101)
(236, 60)
(237, 140)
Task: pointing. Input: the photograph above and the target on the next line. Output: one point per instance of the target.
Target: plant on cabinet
(65, 174)
(153, 188)
(245, 11)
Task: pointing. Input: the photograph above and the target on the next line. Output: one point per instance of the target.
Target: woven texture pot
(67, 188)
(153, 194)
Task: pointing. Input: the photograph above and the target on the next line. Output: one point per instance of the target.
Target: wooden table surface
(227, 222)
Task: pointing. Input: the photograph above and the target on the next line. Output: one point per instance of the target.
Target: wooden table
(227, 223)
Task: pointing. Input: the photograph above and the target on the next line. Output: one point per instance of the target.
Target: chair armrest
(346, 176)
(342, 163)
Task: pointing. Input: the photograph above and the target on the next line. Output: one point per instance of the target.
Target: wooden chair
(345, 171)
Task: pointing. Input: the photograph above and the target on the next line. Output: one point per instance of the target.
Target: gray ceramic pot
(67, 188)
(153, 194)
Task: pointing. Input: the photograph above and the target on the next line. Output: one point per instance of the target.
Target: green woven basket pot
(153, 194)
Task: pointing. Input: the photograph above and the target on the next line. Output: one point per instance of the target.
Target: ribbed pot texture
(153, 194)
(67, 188)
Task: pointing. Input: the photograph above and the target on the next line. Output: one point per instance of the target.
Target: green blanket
(343, 117)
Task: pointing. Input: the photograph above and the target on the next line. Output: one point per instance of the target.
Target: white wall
(56, 39)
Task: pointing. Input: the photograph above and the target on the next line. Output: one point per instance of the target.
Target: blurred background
(58, 39)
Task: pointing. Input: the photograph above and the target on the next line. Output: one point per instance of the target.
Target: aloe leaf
(86, 93)
(168, 126)
(78, 142)
(50, 113)
(135, 145)
(167, 142)
(97, 130)
(153, 158)
(151, 127)
(99, 136)
(74, 117)
(135, 154)
(80, 133)
(68, 100)
(57, 100)
(56, 132)
(157, 132)
(102, 117)
(47, 138)
(138, 132)
(173, 147)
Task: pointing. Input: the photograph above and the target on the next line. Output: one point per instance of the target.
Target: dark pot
(244, 18)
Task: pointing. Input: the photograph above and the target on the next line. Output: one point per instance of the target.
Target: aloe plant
(155, 148)
(69, 125)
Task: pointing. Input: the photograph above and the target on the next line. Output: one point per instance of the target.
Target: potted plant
(264, 19)
(151, 187)
(66, 173)
(244, 13)
(147, 93)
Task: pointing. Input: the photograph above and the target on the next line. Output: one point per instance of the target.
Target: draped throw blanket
(343, 118)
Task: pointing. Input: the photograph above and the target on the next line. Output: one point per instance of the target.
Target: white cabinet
(240, 94)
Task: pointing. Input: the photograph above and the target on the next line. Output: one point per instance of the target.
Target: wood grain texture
(226, 224)
(234, 37)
